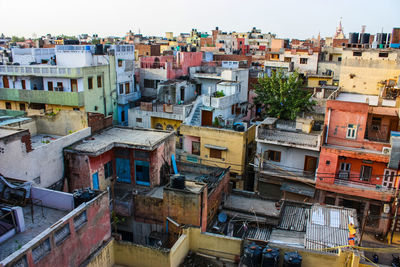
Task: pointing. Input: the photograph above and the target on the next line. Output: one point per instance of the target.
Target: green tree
(15, 39)
(281, 96)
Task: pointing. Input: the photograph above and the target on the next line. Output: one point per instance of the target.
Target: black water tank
(292, 259)
(270, 257)
(99, 50)
(353, 37)
(365, 38)
(178, 181)
(252, 255)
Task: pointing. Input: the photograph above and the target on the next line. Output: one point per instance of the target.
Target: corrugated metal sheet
(328, 226)
(294, 217)
(258, 233)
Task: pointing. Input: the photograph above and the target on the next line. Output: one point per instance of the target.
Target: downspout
(327, 126)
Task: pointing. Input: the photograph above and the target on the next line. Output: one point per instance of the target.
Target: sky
(288, 19)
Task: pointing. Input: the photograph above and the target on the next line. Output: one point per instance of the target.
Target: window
(90, 82)
(344, 170)
(182, 93)
(8, 105)
(119, 62)
(142, 172)
(121, 89)
(50, 86)
(22, 107)
(366, 172)
(108, 169)
(215, 153)
(76, 109)
(41, 250)
(339, 59)
(127, 89)
(60, 86)
(23, 84)
(351, 131)
(196, 148)
(80, 220)
(389, 178)
(123, 115)
(303, 60)
(138, 119)
(376, 123)
(383, 54)
(287, 59)
(273, 155)
(62, 234)
(99, 82)
(357, 54)
(322, 83)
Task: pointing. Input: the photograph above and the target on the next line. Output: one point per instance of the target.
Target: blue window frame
(142, 172)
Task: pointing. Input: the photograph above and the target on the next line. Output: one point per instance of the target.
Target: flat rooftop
(43, 218)
(372, 100)
(252, 205)
(145, 139)
(8, 132)
(43, 139)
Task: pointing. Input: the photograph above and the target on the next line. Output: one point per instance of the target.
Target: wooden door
(310, 164)
(206, 118)
(5, 82)
(74, 85)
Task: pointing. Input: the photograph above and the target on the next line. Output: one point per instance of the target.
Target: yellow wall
(368, 71)
(313, 81)
(235, 142)
(105, 257)
(165, 122)
(214, 245)
(129, 254)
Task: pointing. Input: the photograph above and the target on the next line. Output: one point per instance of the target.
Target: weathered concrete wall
(148, 209)
(62, 123)
(105, 257)
(77, 170)
(45, 161)
(97, 121)
(129, 254)
(97, 165)
(361, 74)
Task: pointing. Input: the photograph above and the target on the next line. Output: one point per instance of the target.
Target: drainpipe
(327, 126)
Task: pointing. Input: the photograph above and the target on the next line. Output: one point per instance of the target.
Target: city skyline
(157, 17)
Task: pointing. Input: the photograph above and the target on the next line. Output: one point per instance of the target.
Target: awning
(216, 147)
(298, 189)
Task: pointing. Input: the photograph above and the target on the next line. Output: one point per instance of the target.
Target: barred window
(22, 262)
(80, 220)
(62, 234)
(41, 250)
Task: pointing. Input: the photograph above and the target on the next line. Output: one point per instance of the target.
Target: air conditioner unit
(386, 150)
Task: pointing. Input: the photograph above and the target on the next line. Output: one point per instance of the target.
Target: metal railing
(287, 172)
(351, 180)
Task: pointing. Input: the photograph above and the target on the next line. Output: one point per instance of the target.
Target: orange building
(353, 167)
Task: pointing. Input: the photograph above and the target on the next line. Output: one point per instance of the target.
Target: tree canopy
(281, 96)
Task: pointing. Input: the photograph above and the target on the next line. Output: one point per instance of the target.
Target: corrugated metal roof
(328, 226)
(294, 217)
(258, 233)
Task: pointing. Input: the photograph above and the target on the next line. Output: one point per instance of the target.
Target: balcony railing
(346, 179)
(43, 97)
(40, 70)
(221, 102)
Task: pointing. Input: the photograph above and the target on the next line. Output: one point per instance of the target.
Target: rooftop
(372, 100)
(35, 222)
(146, 139)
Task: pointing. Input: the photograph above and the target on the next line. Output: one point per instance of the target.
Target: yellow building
(218, 147)
(362, 70)
(318, 80)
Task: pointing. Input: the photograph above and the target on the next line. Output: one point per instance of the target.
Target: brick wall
(97, 121)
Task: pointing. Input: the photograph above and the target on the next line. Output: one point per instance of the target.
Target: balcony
(125, 99)
(75, 99)
(221, 102)
(310, 141)
(41, 70)
(270, 169)
(343, 183)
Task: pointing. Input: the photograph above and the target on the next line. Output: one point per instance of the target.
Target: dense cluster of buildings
(151, 151)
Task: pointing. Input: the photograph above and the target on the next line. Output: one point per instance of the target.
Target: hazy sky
(289, 18)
